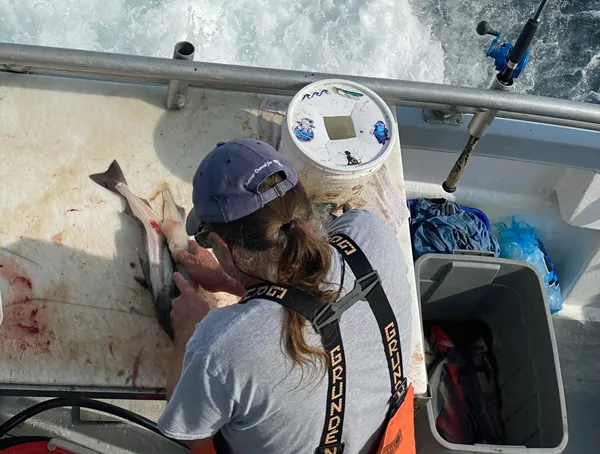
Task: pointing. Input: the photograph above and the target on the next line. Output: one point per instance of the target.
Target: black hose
(83, 403)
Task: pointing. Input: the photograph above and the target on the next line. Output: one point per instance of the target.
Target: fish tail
(110, 178)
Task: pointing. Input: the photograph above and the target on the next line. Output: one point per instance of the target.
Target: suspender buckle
(337, 448)
(398, 398)
(332, 312)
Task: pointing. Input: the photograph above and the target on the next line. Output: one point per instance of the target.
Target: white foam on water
(380, 38)
(584, 89)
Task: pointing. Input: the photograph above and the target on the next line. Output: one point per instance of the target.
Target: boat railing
(102, 65)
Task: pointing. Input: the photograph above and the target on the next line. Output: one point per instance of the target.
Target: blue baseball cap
(225, 186)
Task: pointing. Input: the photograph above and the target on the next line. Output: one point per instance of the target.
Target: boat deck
(53, 204)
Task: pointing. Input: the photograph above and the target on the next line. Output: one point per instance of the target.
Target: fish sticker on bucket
(304, 130)
(380, 132)
(347, 93)
(315, 93)
(352, 161)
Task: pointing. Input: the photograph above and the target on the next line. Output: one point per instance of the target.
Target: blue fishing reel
(500, 52)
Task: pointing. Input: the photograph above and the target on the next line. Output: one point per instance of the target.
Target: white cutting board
(73, 314)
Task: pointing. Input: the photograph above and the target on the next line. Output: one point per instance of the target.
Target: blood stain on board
(57, 239)
(22, 301)
(120, 373)
(22, 280)
(136, 369)
(29, 328)
(20, 286)
(26, 329)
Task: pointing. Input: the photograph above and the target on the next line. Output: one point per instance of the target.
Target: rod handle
(523, 42)
(459, 166)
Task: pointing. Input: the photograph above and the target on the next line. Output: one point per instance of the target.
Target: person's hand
(205, 270)
(187, 310)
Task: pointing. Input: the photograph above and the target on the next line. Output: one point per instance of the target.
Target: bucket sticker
(380, 132)
(315, 93)
(352, 161)
(304, 130)
(348, 93)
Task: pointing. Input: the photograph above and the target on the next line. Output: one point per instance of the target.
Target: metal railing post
(177, 91)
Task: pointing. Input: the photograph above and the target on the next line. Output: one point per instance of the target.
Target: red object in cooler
(35, 447)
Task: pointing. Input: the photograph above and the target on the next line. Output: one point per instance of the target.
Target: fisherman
(258, 377)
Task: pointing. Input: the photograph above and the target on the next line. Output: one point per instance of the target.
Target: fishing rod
(510, 61)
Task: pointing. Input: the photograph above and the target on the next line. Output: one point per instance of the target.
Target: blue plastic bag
(519, 242)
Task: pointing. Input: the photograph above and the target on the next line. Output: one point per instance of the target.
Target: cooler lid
(341, 125)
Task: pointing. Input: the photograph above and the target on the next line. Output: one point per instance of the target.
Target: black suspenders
(325, 318)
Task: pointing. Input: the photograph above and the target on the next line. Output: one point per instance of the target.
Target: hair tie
(289, 226)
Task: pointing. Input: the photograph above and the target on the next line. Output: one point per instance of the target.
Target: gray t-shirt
(238, 379)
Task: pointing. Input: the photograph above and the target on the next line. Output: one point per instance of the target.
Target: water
(423, 40)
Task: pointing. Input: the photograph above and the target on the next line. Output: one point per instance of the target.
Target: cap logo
(259, 169)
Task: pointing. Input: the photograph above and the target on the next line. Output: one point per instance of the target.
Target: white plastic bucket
(337, 133)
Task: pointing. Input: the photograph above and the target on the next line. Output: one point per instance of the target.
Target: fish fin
(143, 282)
(110, 178)
(169, 200)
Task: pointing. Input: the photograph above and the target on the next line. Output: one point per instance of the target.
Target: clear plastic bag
(519, 242)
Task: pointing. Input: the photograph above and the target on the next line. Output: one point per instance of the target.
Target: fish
(173, 225)
(155, 258)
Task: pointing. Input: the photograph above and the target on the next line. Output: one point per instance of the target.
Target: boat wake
(428, 40)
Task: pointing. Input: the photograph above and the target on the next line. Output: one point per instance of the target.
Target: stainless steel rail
(285, 82)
